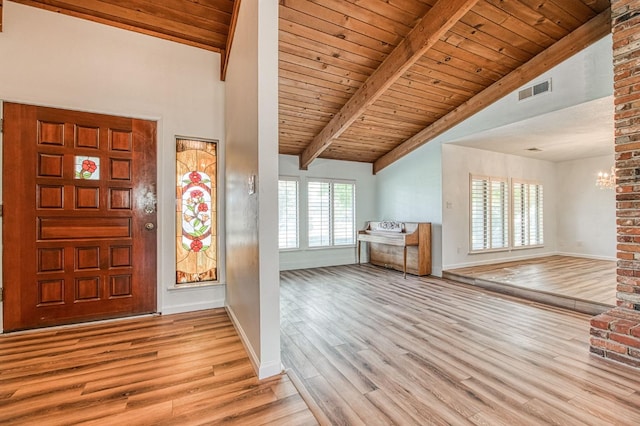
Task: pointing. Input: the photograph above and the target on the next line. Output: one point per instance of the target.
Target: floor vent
(536, 89)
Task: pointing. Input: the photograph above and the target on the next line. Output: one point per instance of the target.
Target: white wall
(586, 215)
(56, 60)
(252, 150)
(410, 190)
(457, 163)
(361, 173)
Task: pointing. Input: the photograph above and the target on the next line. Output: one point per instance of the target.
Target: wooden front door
(79, 238)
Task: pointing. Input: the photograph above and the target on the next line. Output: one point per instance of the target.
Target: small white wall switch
(252, 184)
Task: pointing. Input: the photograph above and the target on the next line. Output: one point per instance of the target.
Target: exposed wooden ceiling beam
(232, 30)
(568, 46)
(436, 22)
(0, 16)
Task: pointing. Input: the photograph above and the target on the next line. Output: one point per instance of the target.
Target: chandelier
(606, 180)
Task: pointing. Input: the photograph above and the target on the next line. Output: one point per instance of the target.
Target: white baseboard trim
(318, 258)
(190, 307)
(255, 361)
(496, 260)
(317, 263)
(270, 369)
(587, 256)
(262, 370)
(517, 258)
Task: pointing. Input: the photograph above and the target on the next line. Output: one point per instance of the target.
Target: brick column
(616, 334)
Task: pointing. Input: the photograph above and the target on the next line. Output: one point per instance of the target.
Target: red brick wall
(616, 334)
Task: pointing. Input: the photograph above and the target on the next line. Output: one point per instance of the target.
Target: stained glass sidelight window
(196, 225)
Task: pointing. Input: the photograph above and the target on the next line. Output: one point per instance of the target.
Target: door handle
(149, 226)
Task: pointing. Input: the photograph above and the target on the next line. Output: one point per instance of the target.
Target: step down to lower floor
(542, 297)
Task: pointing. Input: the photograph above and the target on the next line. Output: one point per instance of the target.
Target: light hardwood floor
(574, 277)
(184, 369)
(372, 348)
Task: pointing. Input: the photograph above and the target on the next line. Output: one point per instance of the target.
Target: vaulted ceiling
(372, 80)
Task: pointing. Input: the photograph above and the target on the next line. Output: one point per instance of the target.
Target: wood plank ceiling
(372, 80)
(333, 52)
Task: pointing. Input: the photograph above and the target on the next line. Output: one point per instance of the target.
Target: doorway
(79, 222)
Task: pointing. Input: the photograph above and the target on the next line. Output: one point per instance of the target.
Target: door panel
(78, 190)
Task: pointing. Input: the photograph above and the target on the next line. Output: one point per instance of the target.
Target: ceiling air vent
(536, 89)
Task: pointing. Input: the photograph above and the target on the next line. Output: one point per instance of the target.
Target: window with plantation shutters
(527, 214)
(319, 210)
(343, 214)
(489, 213)
(287, 213)
(331, 211)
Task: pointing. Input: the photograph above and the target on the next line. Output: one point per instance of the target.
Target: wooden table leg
(358, 251)
(404, 265)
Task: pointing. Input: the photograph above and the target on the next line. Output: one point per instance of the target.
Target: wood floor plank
(206, 399)
(394, 411)
(223, 413)
(339, 362)
(329, 367)
(337, 409)
(439, 352)
(108, 376)
(299, 418)
(592, 280)
(279, 412)
(407, 382)
(174, 370)
(94, 415)
(150, 415)
(292, 353)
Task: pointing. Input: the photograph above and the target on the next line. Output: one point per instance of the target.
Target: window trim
(528, 182)
(510, 182)
(220, 239)
(507, 219)
(332, 182)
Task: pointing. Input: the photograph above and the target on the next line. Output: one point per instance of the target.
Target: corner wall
(410, 190)
(586, 215)
(253, 284)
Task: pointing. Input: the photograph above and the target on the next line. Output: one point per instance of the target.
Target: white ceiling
(581, 131)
